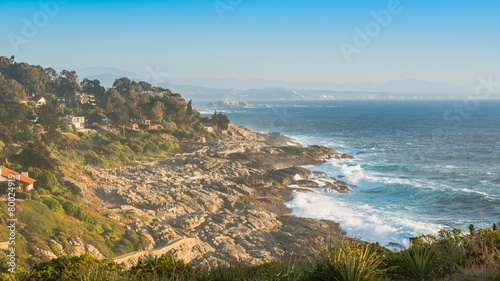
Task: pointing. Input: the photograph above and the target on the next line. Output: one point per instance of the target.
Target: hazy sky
(451, 41)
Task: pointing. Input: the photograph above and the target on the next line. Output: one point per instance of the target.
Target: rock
(220, 201)
(278, 140)
(46, 255)
(307, 183)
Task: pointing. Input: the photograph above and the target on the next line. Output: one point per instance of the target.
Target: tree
(215, 119)
(44, 178)
(10, 89)
(13, 116)
(220, 121)
(69, 83)
(36, 155)
(93, 87)
(158, 110)
(30, 76)
(117, 109)
(131, 91)
(189, 109)
(52, 81)
(48, 117)
(5, 63)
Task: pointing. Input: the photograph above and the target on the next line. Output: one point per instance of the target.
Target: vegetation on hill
(130, 121)
(128, 110)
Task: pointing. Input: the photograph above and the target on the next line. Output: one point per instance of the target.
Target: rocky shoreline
(222, 201)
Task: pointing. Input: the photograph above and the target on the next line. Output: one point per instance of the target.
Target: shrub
(44, 178)
(347, 261)
(64, 267)
(419, 261)
(70, 208)
(165, 267)
(72, 188)
(53, 204)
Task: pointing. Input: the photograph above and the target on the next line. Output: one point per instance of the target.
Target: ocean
(420, 166)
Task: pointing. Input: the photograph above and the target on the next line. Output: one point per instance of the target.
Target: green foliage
(220, 121)
(53, 204)
(36, 155)
(165, 268)
(64, 267)
(48, 117)
(126, 103)
(347, 261)
(72, 188)
(44, 178)
(419, 261)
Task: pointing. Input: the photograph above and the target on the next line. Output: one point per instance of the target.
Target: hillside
(52, 126)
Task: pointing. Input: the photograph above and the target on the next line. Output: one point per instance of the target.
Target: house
(85, 99)
(64, 100)
(25, 181)
(38, 100)
(134, 127)
(77, 121)
(156, 127)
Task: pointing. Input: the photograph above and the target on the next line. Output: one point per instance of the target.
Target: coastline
(220, 201)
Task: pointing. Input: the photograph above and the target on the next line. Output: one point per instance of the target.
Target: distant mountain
(107, 75)
(106, 80)
(406, 89)
(409, 86)
(209, 89)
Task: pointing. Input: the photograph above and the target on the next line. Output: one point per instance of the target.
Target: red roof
(6, 172)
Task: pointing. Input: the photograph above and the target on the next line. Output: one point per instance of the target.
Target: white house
(77, 121)
(38, 100)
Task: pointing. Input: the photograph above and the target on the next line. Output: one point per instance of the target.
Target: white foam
(474, 191)
(353, 173)
(363, 221)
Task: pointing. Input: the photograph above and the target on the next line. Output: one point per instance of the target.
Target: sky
(295, 41)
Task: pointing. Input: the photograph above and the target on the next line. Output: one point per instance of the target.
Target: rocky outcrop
(220, 201)
(74, 247)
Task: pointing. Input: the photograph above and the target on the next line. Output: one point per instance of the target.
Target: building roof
(37, 98)
(6, 172)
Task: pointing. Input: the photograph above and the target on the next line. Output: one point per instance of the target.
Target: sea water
(420, 166)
